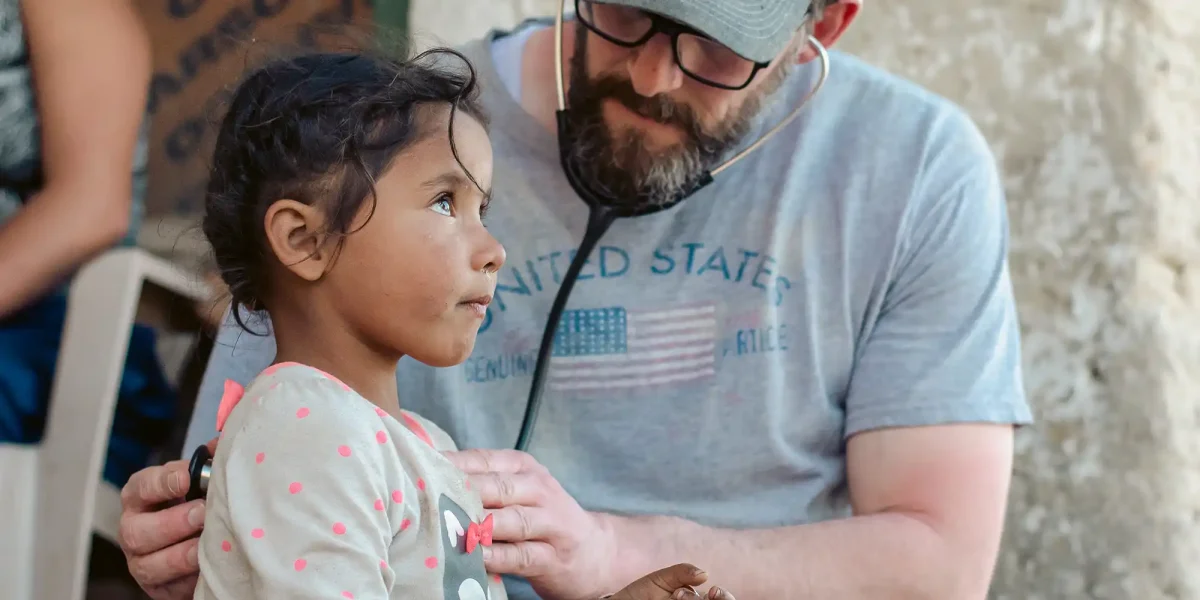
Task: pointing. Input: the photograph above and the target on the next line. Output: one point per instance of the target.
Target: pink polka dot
(431, 562)
(497, 579)
(344, 450)
(381, 412)
(405, 524)
(256, 534)
(348, 595)
(421, 484)
(300, 564)
(226, 546)
(379, 505)
(295, 487)
(258, 458)
(467, 484)
(383, 564)
(339, 528)
(381, 437)
(397, 497)
(303, 412)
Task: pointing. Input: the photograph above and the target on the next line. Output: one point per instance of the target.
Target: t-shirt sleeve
(310, 492)
(945, 347)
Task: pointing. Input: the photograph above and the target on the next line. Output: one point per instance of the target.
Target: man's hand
(161, 544)
(540, 532)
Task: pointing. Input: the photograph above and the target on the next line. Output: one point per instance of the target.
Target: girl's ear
(295, 233)
(829, 29)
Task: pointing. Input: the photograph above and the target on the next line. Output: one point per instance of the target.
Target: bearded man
(803, 378)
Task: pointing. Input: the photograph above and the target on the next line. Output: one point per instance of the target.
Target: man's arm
(928, 513)
(928, 506)
(91, 69)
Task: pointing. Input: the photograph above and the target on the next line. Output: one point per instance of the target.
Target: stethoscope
(603, 210)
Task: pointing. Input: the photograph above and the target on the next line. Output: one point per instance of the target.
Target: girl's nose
(490, 255)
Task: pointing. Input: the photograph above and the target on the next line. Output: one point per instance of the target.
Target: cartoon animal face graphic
(464, 577)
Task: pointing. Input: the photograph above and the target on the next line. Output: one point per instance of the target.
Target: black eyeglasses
(698, 56)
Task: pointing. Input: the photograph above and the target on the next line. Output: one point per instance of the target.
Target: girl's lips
(477, 305)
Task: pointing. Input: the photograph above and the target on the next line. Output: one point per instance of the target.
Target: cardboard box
(202, 48)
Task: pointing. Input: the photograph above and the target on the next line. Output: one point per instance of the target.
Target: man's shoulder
(883, 131)
(892, 110)
(871, 149)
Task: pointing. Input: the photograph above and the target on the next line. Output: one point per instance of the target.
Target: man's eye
(444, 206)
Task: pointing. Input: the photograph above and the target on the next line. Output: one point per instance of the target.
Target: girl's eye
(444, 205)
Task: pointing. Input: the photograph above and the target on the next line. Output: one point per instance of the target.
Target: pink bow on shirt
(479, 534)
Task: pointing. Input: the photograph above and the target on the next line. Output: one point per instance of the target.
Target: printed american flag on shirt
(606, 348)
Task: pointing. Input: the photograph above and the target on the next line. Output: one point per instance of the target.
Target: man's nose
(652, 68)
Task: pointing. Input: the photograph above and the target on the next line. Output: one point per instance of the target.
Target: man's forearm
(877, 557)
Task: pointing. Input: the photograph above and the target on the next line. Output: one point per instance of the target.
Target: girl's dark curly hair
(318, 128)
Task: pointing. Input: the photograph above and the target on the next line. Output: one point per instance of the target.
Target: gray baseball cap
(756, 29)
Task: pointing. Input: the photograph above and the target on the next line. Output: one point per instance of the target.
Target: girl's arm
(305, 500)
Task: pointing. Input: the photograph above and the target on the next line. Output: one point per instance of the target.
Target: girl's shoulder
(290, 391)
(428, 431)
(296, 374)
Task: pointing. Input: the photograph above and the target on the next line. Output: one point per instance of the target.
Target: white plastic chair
(51, 495)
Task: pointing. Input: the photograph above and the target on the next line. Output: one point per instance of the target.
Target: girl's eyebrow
(453, 179)
(447, 179)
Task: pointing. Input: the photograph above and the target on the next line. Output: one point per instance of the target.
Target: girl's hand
(672, 583)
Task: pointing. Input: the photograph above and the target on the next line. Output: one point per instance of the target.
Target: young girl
(346, 201)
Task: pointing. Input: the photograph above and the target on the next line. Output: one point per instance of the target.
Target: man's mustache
(660, 109)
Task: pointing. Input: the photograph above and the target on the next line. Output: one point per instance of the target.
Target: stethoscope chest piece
(199, 472)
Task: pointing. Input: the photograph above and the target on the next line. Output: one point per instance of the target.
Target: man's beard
(619, 165)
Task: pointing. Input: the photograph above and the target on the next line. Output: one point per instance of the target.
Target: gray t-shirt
(849, 275)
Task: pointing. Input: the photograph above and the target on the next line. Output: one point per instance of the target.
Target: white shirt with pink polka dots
(317, 493)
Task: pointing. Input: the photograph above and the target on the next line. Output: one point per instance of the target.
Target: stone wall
(1093, 110)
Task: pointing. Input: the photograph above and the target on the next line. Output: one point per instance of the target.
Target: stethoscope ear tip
(199, 470)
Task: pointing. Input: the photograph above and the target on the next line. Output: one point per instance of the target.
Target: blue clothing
(146, 402)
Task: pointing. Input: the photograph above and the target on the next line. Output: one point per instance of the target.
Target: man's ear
(837, 18)
(295, 233)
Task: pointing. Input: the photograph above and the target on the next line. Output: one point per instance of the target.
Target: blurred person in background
(74, 77)
(805, 377)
